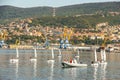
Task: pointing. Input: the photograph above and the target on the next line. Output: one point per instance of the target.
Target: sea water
(41, 70)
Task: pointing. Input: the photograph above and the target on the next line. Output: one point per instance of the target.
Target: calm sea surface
(42, 70)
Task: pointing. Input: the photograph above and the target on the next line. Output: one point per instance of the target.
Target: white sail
(52, 54)
(95, 54)
(35, 53)
(101, 55)
(17, 53)
(104, 55)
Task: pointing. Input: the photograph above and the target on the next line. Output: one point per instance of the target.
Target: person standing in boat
(74, 60)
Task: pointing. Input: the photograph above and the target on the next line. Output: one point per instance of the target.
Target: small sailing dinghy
(103, 57)
(35, 56)
(15, 60)
(96, 63)
(51, 60)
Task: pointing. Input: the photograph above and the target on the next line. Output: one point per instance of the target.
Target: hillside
(15, 12)
(7, 12)
(89, 8)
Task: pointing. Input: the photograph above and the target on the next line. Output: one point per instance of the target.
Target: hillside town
(23, 27)
(60, 40)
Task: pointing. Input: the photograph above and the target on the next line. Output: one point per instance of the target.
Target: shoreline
(63, 50)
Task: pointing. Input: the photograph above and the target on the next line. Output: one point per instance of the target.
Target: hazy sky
(52, 3)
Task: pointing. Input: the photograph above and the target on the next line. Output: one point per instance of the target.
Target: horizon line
(60, 6)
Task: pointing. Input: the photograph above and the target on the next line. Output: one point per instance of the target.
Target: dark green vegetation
(91, 8)
(78, 22)
(7, 12)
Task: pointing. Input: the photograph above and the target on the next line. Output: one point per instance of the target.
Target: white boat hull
(14, 60)
(95, 64)
(51, 61)
(103, 63)
(68, 64)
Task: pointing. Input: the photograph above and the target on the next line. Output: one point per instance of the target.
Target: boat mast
(35, 54)
(95, 55)
(52, 54)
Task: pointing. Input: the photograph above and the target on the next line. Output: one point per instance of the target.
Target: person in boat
(92, 62)
(73, 60)
(80, 62)
(30, 57)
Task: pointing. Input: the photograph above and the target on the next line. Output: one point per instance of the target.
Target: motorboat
(73, 63)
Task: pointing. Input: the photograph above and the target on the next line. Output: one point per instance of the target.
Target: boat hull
(68, 64)
(103, 63)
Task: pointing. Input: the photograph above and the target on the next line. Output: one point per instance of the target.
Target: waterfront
(41, 70)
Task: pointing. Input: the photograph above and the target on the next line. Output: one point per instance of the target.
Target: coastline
(73, 48)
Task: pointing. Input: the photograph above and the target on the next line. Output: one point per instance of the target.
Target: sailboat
(15, 60)
(35, 56)
(103, 57)
(51, 60)
(96, 63)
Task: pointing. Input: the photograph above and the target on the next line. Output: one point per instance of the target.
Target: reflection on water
(100, 72)
(51, 71)
(75, 73)
(16, 71)
(95, 72)
(41, 70)
(103, 72)
(34, 68)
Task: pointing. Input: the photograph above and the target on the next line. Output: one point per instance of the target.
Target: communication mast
(54, 12)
